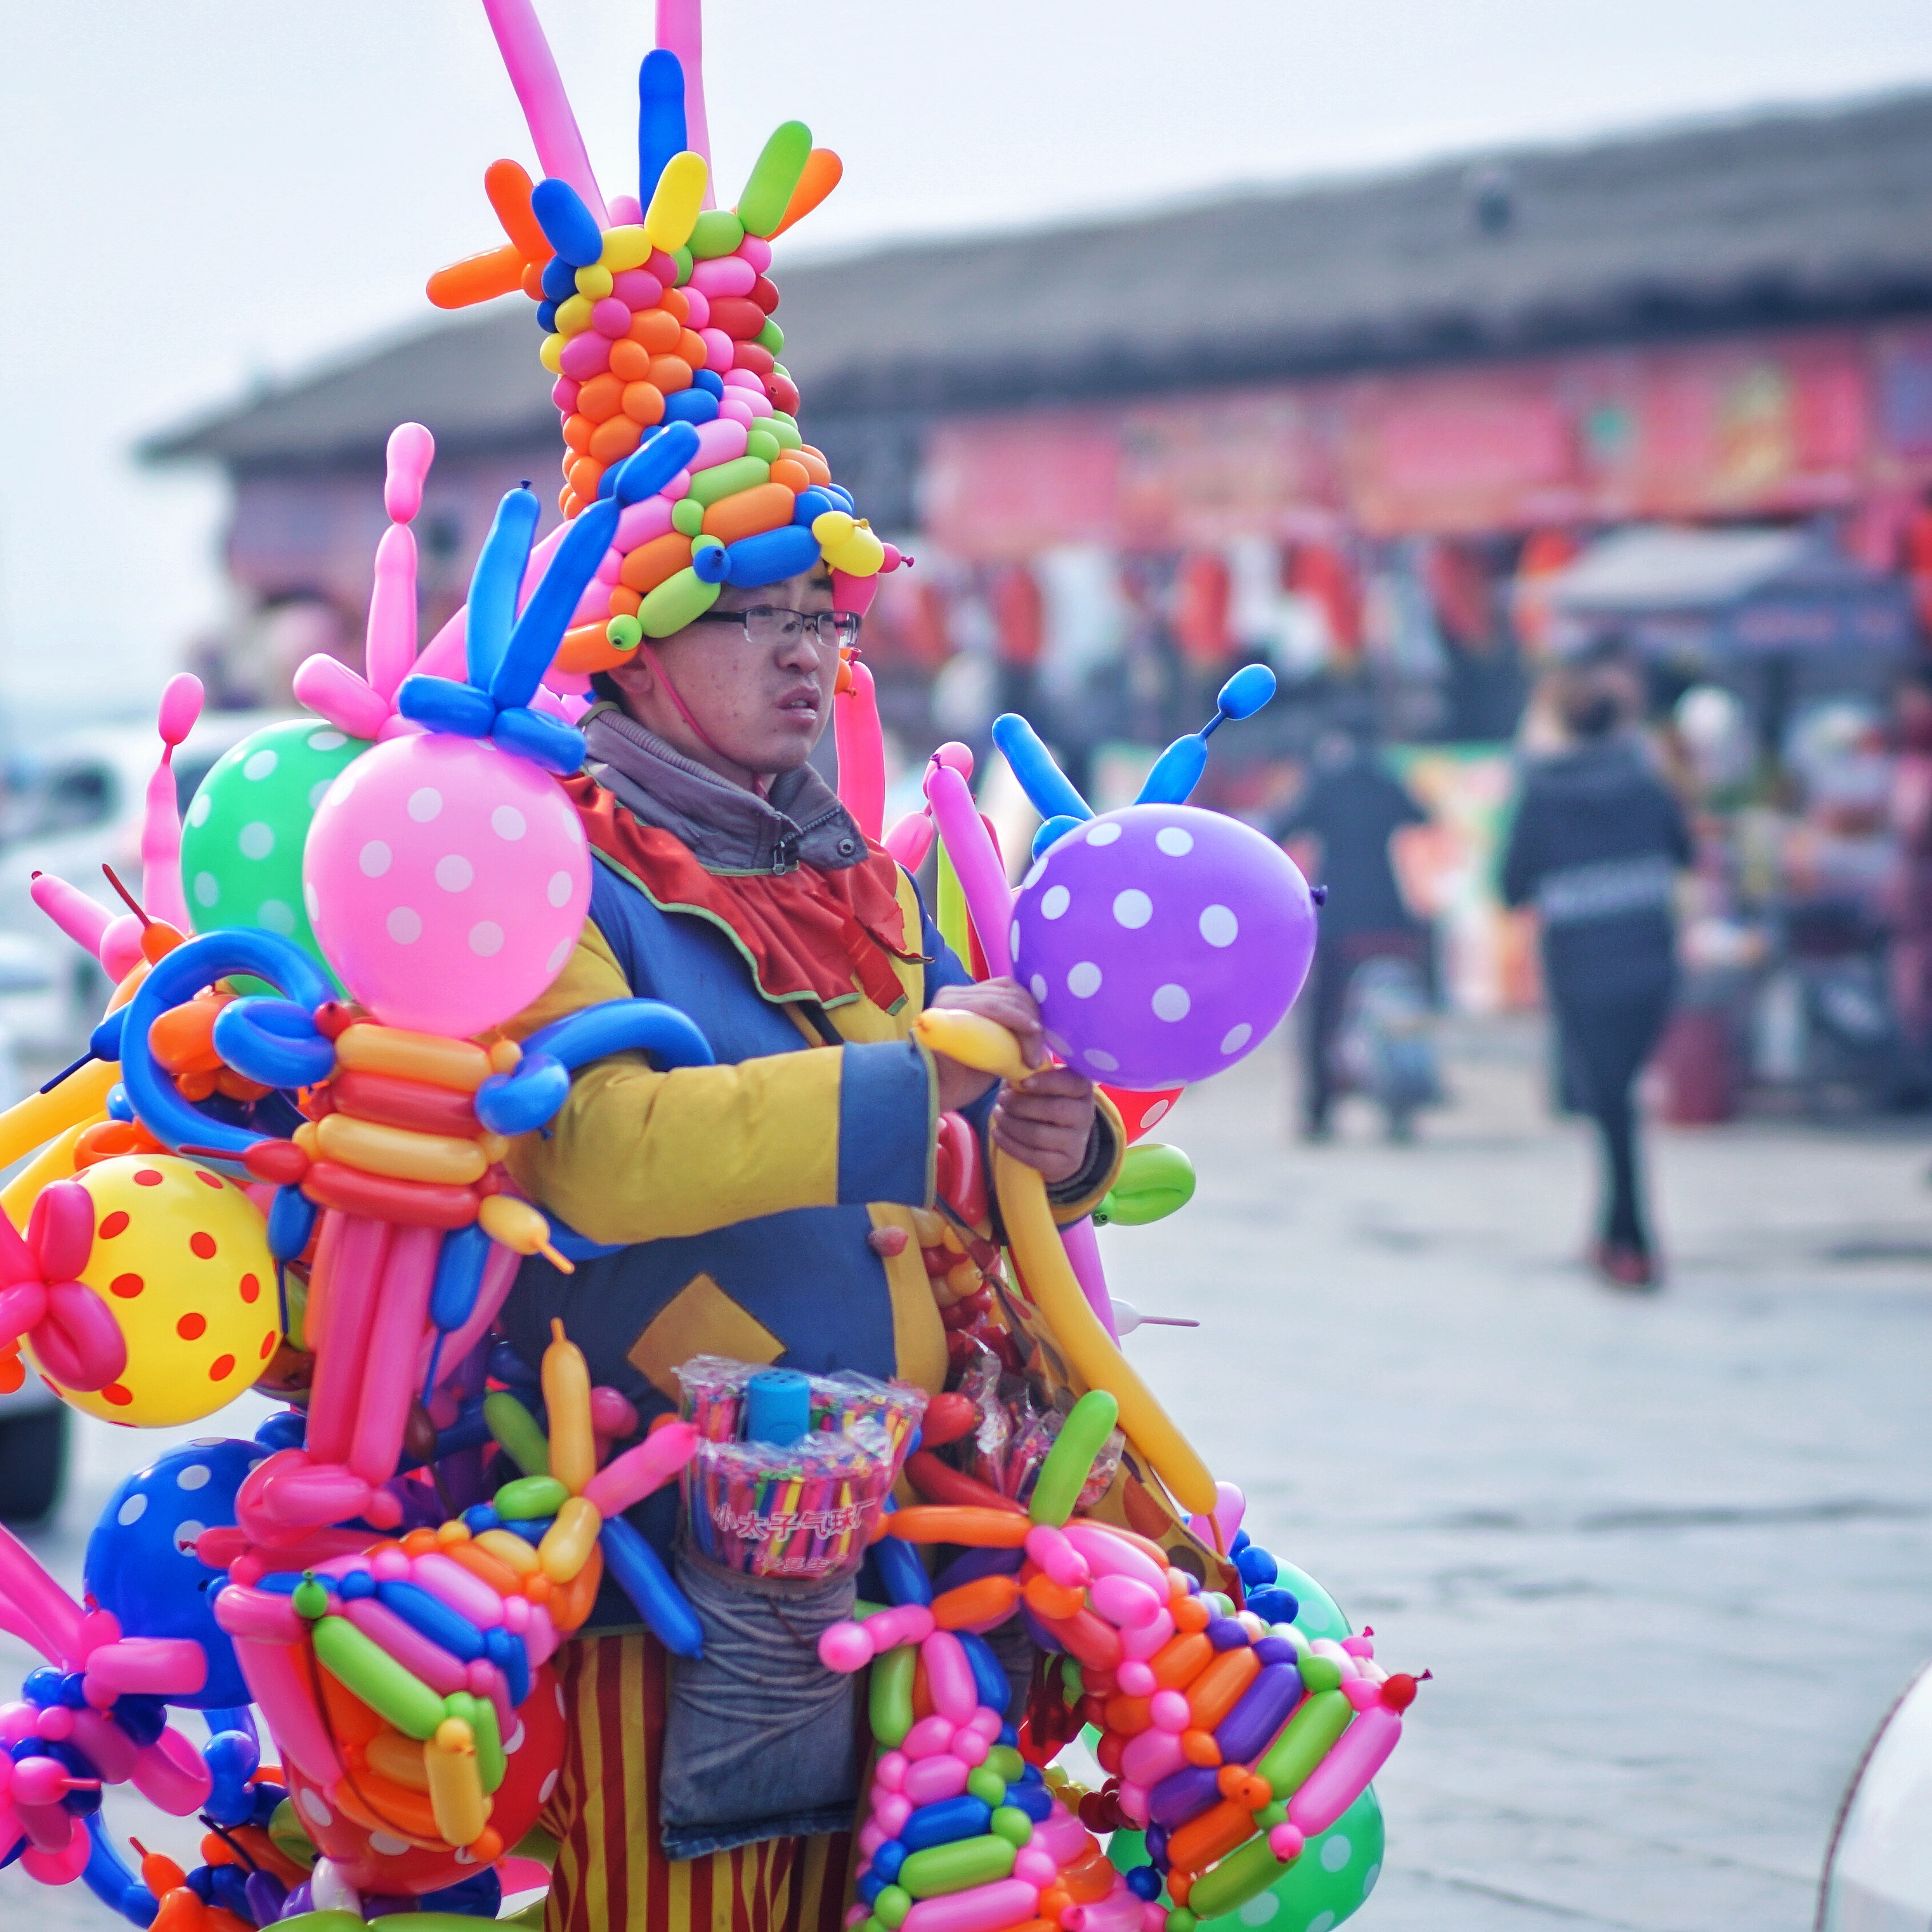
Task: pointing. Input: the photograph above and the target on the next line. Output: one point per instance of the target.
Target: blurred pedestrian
(1343, 821)
(1596, 844)
(1909, 963)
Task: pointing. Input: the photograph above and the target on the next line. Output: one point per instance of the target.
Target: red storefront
(1767, 426)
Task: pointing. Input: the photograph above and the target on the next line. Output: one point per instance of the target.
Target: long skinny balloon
(532, 72)
(861, 753)
(775, 175)
(981, 879)
(911, 838)
(1042, 1261)
(508, 186)
(477, 278)
(532, 642)
(822, 173)
(681, 31)
(389, 649)
(982, 882)
(1083, 1256)
(84, 920)
(492, 609)
(682, 189)
(661, 129)
(1042, 781)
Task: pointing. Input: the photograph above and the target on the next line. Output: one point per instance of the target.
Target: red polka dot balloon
(181, 1256)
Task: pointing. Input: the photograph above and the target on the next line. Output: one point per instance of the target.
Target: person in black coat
(1597, 842)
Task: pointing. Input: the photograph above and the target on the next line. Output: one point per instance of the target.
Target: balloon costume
(303, 1153)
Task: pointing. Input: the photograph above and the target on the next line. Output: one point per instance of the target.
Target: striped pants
(611, 1874)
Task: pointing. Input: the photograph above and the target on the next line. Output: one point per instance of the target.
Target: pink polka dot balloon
(447, 882)
(1163, 942)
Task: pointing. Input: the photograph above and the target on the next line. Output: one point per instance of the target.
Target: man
(758, 1209)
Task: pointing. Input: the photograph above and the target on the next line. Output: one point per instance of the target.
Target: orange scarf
(806, 932)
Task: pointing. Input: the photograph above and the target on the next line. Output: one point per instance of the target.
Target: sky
(210, 194)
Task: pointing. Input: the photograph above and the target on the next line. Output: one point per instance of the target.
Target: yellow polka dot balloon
(181, 1257)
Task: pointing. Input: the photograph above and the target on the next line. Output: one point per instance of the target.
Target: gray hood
(727, 829)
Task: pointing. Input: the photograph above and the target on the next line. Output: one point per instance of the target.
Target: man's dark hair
(603, 687)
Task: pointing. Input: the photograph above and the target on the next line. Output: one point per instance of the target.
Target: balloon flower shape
(95, 1715)
(447, 877)
(364, 707)
(69, 1328)
(659, 309)
(243, 837)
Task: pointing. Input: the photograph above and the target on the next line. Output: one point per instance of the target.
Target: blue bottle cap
(777, 1407)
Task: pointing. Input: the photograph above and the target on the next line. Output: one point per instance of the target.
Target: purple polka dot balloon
(1162, 942)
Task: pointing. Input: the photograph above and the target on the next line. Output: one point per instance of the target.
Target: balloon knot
(1319, 894)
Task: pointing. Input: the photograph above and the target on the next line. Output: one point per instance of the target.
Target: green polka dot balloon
(242, 837)
(1329, 1882)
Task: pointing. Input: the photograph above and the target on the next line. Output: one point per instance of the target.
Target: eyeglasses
(767, 626)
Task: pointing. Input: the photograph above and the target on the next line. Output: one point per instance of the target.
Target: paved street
(1668, 1558)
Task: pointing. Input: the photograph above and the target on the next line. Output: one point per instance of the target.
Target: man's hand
(1009, 1003)
(1046, 1123)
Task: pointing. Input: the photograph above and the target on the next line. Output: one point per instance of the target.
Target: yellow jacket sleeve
(635, 1155)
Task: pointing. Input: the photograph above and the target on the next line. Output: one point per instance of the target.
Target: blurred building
(1353, 423)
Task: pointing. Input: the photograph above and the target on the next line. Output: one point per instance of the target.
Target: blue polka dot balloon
(141, 1564)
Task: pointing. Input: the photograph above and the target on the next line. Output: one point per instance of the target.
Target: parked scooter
(1386, 1048)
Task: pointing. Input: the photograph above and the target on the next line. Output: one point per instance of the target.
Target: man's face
(763, 705)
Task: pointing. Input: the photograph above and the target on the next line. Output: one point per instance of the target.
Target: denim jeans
(760, 1738)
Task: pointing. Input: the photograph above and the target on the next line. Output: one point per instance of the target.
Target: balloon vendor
(710, 1478)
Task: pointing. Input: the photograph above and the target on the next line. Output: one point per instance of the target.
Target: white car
(76, 805)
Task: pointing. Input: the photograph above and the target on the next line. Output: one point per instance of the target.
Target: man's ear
(630, 680)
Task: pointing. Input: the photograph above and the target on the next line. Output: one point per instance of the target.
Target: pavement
(1669, 1557)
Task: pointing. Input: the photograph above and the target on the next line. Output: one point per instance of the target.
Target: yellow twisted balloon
(976, 1041)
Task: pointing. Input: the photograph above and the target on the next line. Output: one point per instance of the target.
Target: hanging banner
(1773, 425)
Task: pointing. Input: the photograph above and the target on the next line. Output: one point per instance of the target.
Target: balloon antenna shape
(363, 707)
(1178, 768)
(1176, 772)
(508, 650)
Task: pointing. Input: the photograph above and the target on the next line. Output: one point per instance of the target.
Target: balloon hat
(657, 313)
